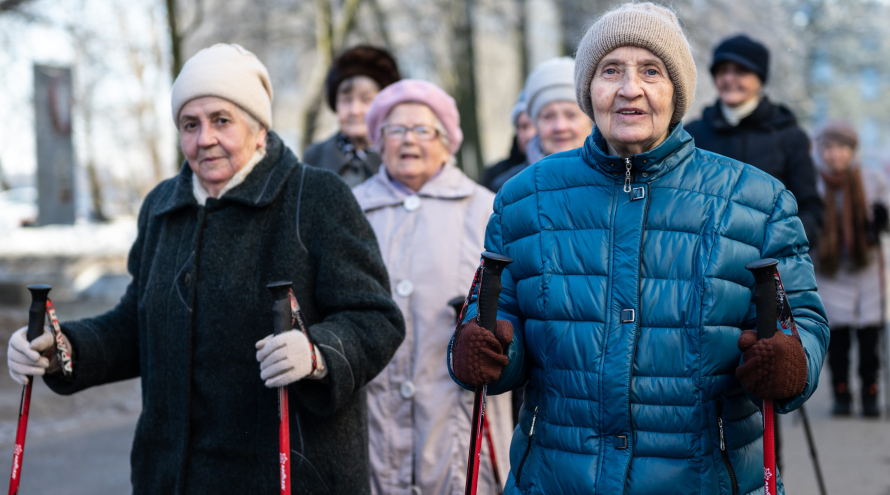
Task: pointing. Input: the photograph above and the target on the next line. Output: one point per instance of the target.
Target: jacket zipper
(723, 453)
(531, 431)
(628, 164)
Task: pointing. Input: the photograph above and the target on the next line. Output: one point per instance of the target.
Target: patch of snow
(82, 239)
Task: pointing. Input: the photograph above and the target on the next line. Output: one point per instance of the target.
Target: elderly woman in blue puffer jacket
(628, 293)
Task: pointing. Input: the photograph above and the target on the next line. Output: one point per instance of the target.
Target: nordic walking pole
(36, 320)
(457, 304)
(486, 317)
(767, 316)
(283, 321)
(812, 444)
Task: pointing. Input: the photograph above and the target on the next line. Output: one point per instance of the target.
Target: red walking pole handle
(36, 320)
(493, 265)
(283, 321)
(766, 303)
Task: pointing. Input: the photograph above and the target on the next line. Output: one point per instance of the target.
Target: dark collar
(767, 116)
(261, 186)
(655, 162)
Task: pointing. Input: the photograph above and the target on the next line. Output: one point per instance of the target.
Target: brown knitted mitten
(478, 356)
(774, 368)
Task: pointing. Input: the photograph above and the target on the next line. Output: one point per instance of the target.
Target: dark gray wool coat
(197, 304)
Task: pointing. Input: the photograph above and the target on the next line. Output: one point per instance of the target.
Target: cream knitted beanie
(229, 72)
(644, 25)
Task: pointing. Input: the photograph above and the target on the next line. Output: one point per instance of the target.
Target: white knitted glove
(26, 358)
(286, 358)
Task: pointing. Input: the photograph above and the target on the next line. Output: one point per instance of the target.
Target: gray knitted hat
(551, 81)
(645, 25)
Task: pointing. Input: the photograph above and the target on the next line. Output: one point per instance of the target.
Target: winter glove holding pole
(480, 354)
(774, 364)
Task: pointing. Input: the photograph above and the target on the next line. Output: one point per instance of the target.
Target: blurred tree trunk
(4, 184)
(177, 35)
(524, 57)
(329, 40)
(470, 156)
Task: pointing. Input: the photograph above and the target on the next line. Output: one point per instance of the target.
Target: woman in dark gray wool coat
(196, 320)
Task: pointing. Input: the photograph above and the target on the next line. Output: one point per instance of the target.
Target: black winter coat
(771, 140)
(197, 304)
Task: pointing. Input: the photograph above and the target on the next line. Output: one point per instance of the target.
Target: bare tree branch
(9, 5)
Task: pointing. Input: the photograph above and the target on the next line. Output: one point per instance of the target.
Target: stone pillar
(55, 150)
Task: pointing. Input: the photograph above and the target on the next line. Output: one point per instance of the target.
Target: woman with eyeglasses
(430, 221)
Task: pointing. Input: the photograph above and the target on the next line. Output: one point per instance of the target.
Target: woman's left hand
(774, 368)
(285, 358)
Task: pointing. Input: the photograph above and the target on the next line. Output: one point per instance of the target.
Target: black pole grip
(490, 289)
(281, 306)
(37, 311)
(764, 272)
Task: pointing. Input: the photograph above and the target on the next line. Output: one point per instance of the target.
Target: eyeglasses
(421, 132)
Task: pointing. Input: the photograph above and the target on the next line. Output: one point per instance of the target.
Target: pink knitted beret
(415, 91)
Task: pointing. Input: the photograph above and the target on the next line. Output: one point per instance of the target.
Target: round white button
(405, 288)
(412, 202)
(407, 389)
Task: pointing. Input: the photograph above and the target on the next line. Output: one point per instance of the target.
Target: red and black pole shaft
(36, 320)
(457, 304)
(283, 321)
(486, 317)
(765, 301)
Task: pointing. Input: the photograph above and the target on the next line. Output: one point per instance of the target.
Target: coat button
(407, 389)
(645, 174)
(405, 288)
(412, 202)
(187, 279)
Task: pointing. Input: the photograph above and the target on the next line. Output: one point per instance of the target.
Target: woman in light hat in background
(354, 79)
(850, 263)
(195, 321)
(430, 221)
(551, 105)
(628, 293)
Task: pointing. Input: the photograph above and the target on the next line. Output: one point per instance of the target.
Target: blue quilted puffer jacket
(626, 309)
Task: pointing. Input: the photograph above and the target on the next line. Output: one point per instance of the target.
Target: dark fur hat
(361, 60)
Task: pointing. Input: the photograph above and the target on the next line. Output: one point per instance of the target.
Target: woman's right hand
(478, 356)
(26, 358)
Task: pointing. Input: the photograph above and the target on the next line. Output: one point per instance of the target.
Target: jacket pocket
(528, 447)
(723, 452)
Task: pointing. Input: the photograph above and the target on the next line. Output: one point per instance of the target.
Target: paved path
(92, 459)
(854, 452)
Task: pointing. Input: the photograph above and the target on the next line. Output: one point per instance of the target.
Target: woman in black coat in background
(746, 126)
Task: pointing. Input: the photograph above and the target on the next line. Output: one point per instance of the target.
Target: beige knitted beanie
(645, 25)
(229, 72)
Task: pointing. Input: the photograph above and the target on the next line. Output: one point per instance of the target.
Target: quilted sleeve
(514, 375)
(785, 241)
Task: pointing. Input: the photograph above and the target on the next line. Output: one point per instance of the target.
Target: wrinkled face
(217, 139)
(633, 100)
(354, 97)
(562, 126)
(736, 84)
(410, 158)
(525, 131)
(837, 156)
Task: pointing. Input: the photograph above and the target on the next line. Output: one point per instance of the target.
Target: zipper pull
(720, 427)
(628, 164)
(531, 431)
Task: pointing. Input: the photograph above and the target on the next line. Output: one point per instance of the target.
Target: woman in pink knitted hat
(430, 220)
